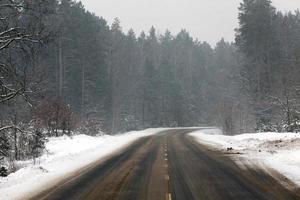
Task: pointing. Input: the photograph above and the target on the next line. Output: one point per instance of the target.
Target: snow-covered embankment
(64, 156)
(278, 151)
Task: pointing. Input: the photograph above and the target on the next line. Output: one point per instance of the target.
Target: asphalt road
(168, 166)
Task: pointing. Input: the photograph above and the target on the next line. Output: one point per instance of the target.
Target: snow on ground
(64, 156)
(278, 151)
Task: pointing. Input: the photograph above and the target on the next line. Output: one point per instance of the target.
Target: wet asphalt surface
(168, 166)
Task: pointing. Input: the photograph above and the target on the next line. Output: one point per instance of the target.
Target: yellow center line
(167, 177)
(168, 196)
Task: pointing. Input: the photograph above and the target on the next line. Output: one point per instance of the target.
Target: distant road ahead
(169, 165)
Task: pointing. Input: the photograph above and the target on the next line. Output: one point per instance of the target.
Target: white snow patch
(279, 151)
(65, 155)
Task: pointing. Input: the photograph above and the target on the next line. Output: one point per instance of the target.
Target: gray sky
(207, 20)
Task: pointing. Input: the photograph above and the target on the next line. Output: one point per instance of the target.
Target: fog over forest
(65, 70)
(206, 20)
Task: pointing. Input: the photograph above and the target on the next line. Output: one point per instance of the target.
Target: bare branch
(8, 31)
(10, 127)
(9, 96)
(14, 39)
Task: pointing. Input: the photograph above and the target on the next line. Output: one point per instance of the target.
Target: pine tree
(255, 38)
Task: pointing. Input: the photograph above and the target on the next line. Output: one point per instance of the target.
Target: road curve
(169, 166)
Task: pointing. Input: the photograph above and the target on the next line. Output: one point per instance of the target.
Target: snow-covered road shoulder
(64, 156)
(278, 151)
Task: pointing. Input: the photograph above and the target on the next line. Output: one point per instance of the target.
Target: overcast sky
(207, 20)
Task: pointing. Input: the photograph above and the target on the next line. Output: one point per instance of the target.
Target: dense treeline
(63, 70)
(270, 42)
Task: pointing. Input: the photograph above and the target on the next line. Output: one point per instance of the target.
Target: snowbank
(279, 151)
(64, 156)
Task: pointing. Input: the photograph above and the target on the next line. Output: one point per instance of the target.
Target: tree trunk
(61, 70)
(15, 132)
(82, 88)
